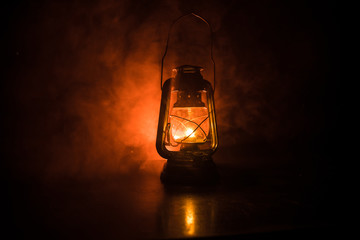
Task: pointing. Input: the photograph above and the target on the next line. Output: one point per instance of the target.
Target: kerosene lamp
(187, 133)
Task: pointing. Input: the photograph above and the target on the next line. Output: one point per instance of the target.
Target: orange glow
(189, 133)
(189, 125)
(106, 95)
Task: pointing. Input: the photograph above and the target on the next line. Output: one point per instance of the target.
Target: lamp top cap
(188, 69)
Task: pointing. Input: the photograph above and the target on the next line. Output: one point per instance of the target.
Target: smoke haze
(83, 80)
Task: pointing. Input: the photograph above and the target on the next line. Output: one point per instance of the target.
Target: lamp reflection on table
(189, 217)
(182, 215)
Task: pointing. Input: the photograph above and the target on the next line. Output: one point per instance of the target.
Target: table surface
(247, 202)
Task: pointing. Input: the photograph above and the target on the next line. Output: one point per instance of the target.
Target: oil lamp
(187, 134)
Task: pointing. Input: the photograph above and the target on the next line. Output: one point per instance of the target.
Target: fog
(83, 83)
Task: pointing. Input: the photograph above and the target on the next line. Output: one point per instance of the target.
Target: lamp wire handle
(167, 44)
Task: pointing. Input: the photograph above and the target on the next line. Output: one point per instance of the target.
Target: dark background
(81, 95)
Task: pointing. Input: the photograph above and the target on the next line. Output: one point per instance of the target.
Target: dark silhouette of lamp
(187, 132)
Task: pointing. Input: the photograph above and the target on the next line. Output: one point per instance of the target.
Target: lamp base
(189, 172)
